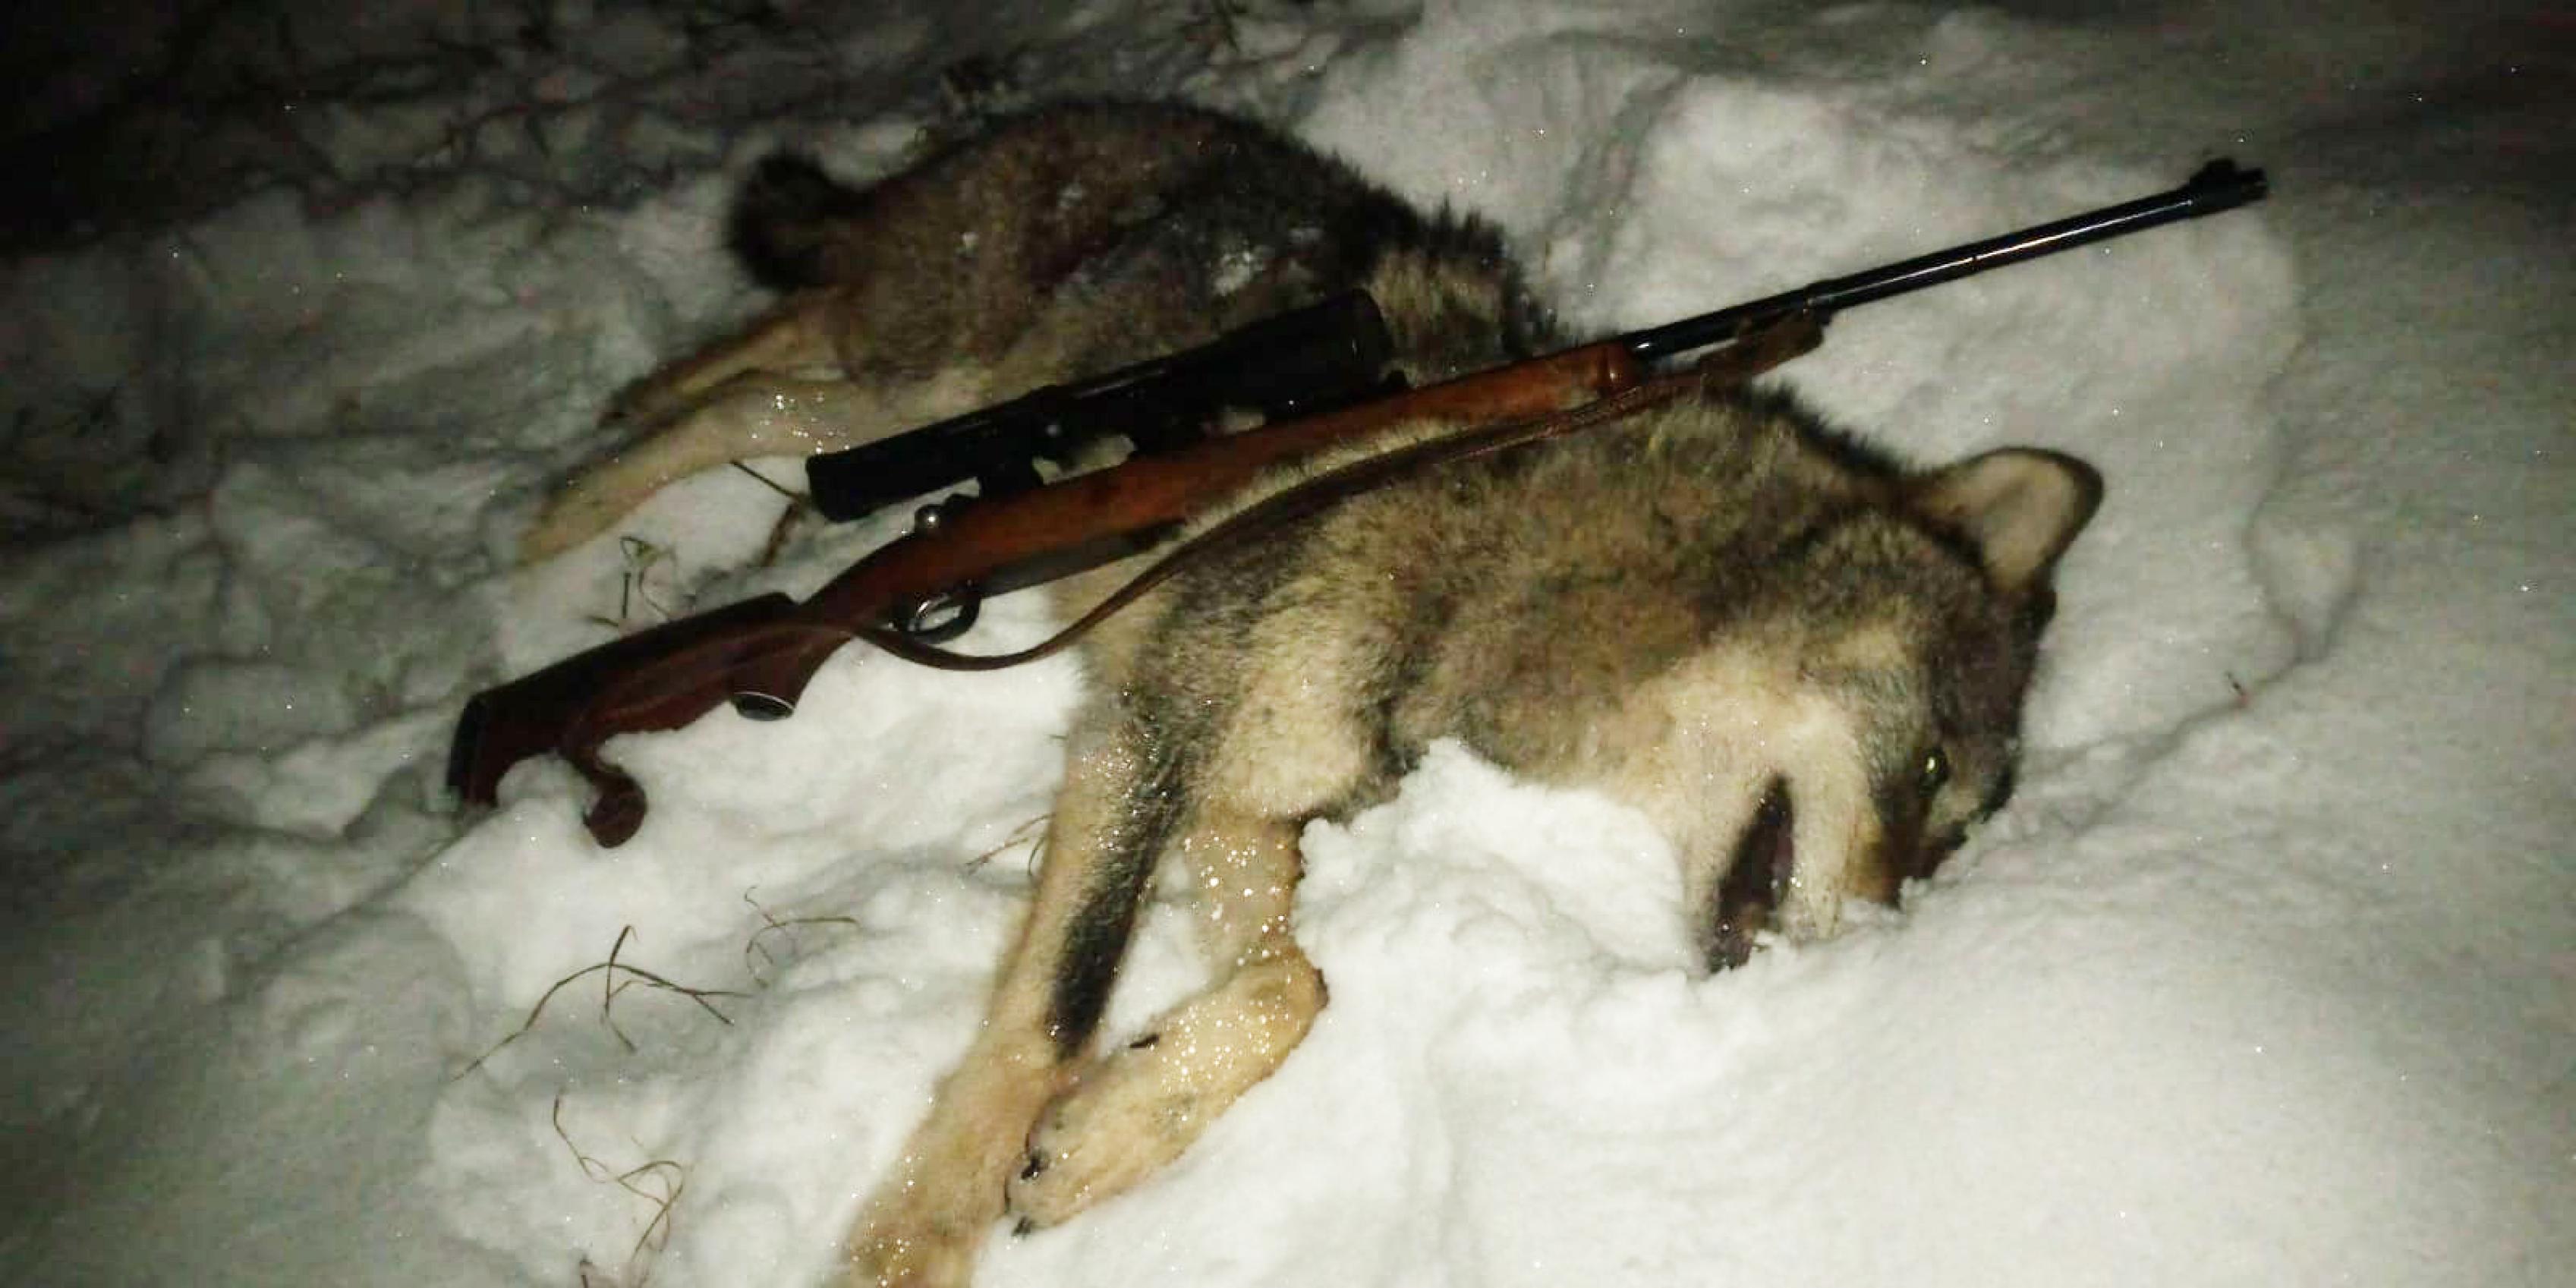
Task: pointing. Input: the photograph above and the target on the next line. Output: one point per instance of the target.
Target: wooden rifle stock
(506, 724)
(759, 654)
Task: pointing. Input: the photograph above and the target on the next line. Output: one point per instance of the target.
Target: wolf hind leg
(751, 416)
(1137, 1108)
(930, 1213)
(795, 335)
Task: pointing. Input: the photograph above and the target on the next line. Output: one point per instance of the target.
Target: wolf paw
(1137, 1108)
(1131, 1114)
(595, 500)
(582, 510)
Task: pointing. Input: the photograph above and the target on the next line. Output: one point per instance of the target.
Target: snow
(2262, 978)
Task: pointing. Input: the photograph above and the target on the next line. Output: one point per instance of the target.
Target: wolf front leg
(1135, 1109)
(927, 1219)
(1297, 743)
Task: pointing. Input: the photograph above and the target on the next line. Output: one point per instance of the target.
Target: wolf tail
(785, 220)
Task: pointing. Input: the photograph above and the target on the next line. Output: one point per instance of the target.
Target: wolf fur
(1801, 661)
(1064, 243)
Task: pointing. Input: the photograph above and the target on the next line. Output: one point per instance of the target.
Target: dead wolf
(1805, 663)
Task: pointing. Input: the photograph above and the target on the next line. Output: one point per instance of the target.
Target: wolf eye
(1935, 772)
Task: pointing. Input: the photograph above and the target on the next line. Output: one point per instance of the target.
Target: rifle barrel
(2220, 185)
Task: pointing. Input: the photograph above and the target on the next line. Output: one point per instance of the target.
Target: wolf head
(1860, 708)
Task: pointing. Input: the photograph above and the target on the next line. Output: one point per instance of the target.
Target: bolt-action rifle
(757, 655)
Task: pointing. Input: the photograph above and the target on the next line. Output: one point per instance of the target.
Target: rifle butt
(536, 713)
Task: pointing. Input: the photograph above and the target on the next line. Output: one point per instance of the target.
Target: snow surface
(2264, 978)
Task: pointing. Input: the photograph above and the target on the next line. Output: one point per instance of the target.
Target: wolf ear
(2019, 507)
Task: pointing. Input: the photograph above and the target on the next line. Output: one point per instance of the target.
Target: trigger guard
(919, 622)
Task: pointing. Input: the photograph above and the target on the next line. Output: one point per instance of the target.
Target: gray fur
(1066, 241)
